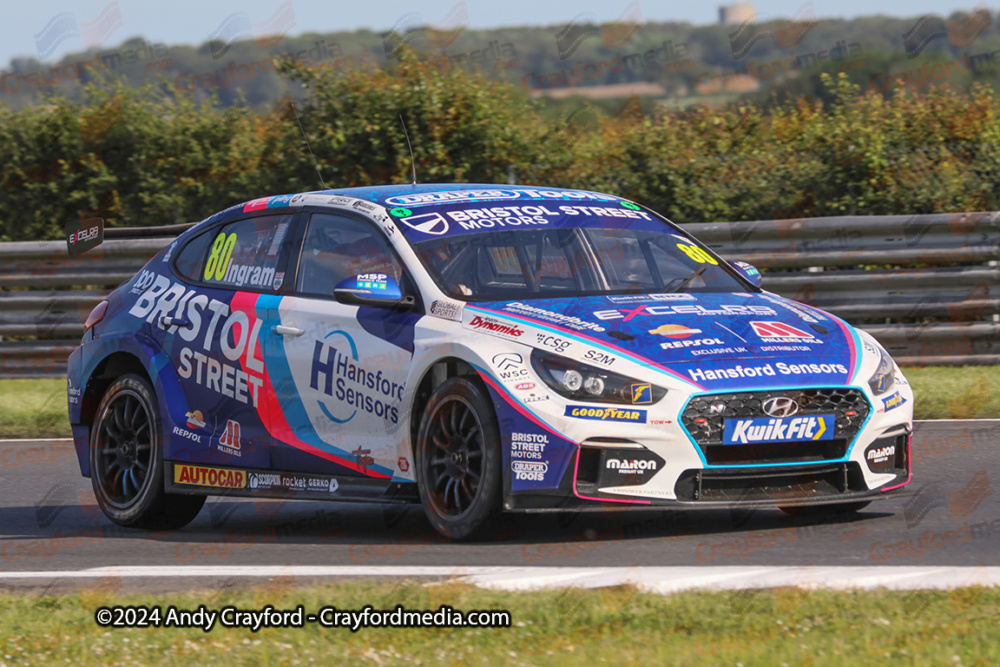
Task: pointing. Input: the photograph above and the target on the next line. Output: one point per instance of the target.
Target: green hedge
(154, 155)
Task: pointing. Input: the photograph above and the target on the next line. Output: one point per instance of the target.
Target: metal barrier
(926, 286)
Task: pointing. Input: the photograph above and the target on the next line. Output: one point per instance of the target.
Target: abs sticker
(606, 414)
(696, 254)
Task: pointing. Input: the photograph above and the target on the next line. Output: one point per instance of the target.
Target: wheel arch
(113, 366)
(433, 377)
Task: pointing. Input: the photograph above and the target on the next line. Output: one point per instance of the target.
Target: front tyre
(458, 460)
(126, 461)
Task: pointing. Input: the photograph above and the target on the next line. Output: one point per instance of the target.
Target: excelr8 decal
(775, 429)
(628, 314)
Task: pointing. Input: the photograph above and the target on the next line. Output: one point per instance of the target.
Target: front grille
(783, 484)
(705, 416)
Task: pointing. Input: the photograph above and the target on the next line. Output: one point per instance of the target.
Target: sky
(48, 29)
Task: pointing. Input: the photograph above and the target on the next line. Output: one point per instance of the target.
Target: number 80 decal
(697, 254)
(222, 254)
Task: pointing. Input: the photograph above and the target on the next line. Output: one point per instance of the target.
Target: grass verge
(614, 626)
(961, 392)
(37, 408)
(33, 409)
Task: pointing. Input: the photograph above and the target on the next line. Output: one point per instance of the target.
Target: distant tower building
(736, 14)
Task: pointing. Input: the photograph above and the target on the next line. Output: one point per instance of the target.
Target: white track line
(653, 579)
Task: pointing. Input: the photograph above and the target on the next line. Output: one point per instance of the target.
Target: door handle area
(287, 331)
(174, 321)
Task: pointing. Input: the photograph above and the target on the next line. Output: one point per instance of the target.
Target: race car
(478, 349)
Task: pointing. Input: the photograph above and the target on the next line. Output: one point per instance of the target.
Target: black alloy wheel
(458, 459)
(126, 460)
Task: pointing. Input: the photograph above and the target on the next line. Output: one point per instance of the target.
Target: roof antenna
(304, 138)
(413, 164)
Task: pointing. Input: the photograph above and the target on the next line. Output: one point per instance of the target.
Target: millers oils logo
(776, 332)
(217, 477)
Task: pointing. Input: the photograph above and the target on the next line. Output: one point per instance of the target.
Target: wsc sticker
(400, 212)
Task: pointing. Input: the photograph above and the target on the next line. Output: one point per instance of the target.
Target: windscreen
(551, 249)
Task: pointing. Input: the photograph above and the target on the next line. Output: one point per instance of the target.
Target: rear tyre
(458, 460)
(126, 461)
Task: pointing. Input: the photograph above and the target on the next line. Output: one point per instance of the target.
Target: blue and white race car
(477, 349)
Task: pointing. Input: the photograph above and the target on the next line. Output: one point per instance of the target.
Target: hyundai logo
(782, 406)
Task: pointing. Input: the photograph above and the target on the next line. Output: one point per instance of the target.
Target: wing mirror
(372, 289)
(748, 271)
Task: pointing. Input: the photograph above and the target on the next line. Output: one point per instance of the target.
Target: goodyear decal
(775, 429)
(893, 402)
(606, 414)
(215, 477)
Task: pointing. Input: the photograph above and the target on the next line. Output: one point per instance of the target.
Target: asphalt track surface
(949, 517)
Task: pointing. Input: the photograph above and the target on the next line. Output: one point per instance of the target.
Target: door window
(337, 248)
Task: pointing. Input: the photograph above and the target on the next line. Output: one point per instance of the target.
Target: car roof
(381, 194)
(390, 196)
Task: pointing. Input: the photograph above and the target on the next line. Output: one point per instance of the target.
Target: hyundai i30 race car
(477, 349)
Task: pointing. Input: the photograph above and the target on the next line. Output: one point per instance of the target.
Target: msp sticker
(628, 204)
(400, 212)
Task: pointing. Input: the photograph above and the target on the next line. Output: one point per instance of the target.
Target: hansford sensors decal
(336, 372)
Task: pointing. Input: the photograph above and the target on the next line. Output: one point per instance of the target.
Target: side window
(241, 255)
(337, 248)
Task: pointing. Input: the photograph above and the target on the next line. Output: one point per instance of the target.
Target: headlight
(582, 382)
(885, 375)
